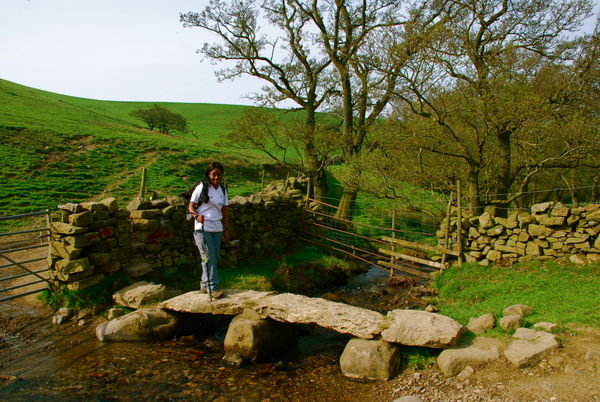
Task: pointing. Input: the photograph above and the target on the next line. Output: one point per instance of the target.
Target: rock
(592, 355)
(234, 360)
(139, 293)
(259, 340)
(546, 326)
(551, 220)
(116, 312)
(519, 309)
(539, 231)
(408, 398)
(485, 221)
(340, 317)
(466, 373)
(483, 350)
(233, 302)
(421, 328)
(512, 321)
(141, 325)
(431, 308)
(578, 259)
(62, 314)
(529, 347)
(480, 324)
(370, 359)
(541, 208)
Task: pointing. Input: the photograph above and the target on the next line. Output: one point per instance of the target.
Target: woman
(209, 209)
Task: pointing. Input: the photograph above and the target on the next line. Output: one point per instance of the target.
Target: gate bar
(5, 218)
(21, 295)
(22, 262)
(24, 231)
(26, 269)
(22, 275)
(22, 285)
(10, 250)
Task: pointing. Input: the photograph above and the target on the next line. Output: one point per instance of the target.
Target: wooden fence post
(447, 233)
(143, 183)
(393, 260)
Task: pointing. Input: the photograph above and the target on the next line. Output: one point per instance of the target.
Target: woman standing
(208, 206)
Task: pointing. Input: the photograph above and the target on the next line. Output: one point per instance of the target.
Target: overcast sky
(134, 50)
(112, 50)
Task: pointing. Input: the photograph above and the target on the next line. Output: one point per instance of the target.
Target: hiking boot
(216, 294)
(203, 291)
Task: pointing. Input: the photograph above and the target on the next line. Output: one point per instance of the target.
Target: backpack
(187, 196)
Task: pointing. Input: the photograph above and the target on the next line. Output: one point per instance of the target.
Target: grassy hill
(57, 149)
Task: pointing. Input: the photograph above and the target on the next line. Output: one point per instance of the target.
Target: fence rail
(371, 244)
(18, 276)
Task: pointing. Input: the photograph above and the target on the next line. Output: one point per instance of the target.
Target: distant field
(56, 149)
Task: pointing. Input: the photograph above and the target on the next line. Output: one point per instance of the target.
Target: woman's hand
(226, 235)
(200, 218)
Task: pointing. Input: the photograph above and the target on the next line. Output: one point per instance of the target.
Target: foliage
(559, 293)
(161, 118)
(483, 100)
(99, 294)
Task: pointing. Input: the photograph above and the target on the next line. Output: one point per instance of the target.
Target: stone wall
(550, 230)
(93, 239)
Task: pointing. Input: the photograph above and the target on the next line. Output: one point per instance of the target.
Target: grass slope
(56, 149)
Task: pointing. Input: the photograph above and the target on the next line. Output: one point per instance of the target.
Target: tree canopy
(161, 118)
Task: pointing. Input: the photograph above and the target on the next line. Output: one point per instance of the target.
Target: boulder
(141, 325)
(233, 302)
(482, 323)
(340, 317)
(512, 321)
(140, 293)
(370, 359)
(259, 340)
(529, 347)
(519, 309)
(546, 326)
(421, 328)
(481, 351)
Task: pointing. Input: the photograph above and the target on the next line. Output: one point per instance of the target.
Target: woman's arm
(192, 206)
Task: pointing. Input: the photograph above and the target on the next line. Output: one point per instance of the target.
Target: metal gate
(21, 255)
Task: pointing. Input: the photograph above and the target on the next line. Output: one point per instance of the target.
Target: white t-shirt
(211, 209)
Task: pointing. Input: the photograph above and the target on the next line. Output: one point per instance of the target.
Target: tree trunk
(346, 204)
(473, 191)
(319, 185)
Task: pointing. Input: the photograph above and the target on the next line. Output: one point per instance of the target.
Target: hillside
(56, 149)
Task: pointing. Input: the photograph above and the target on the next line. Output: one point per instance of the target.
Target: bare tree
(282, 55)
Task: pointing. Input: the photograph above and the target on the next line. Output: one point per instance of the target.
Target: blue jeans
(210, 275)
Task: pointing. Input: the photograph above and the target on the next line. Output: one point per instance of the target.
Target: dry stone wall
(550, 230)
(93, 239)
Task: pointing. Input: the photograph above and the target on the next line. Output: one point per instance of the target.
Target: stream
(43, 361)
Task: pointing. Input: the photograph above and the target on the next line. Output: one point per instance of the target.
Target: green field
(57, 149)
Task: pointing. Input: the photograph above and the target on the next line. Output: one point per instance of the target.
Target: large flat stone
(421, 328)
(340, 317)
(529, 347)
(233, 302)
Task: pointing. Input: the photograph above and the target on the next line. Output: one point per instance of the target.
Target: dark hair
(212, 166)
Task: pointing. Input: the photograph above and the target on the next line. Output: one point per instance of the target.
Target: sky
(125, 50)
